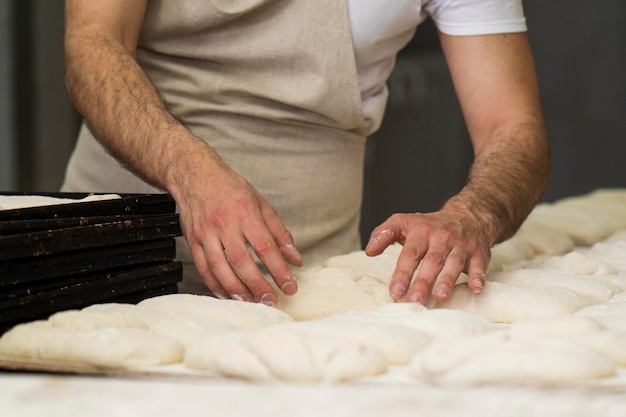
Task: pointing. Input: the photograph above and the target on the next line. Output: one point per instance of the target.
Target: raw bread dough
(594, 290)
(577, 263)
(82, 321)
(497, 357)
(105, 347)
(609, 342)
(187, 328)
(239, 314)
(503, 303)
(436, 324)
(396, 342)
(327, 291)
(280, 353)
(613, 253)
(616, 308)
(511, 252)
(554, 326)
(381, 266)
(11, 202)
(582, 227)
(544, 240)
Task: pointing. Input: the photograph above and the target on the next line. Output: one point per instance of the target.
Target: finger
(268, 253)
(476, 272)
(242, 263)
(281, 235)
(430, 266)
(454, 264)
(197, 253)
(407, 263)
(381, 237)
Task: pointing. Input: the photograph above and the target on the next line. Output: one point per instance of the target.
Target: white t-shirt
(381, 28)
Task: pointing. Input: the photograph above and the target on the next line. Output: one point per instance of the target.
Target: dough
(594, 290)
(544, 240)
(187, 328)
(239, 314)
(92, 320)
(281, 353)
(380, 267)
(327, 291)
(554, 326)
(436, 324)
(611, 343)
(613, 253)
(608, 210)
(511, 252)
(11, 202)
(396, 342)
(577, 263)
(105, 347)
(497, 357)
(501, 303)
(583, 228)
(616, 308)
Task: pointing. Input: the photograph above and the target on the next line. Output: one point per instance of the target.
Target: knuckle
(263, 247)
(238, 256)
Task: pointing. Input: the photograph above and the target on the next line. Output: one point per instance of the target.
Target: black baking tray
(69, 239)
(128, 204)
(22, 271)
(42, 301)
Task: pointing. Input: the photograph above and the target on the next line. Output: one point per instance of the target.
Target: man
(253, 116)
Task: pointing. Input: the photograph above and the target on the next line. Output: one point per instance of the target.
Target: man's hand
(442, 244)
(222, 216)
(221, 213)
(495, 81)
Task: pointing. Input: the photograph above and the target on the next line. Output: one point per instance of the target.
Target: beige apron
(272, 87)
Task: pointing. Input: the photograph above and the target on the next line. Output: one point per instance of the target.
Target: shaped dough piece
(512, 251)
(554, 326)
(607, 210)
(501, 303)
(613, 253)
(186, 328)
(91, 320)
(381, 266)
(614, 323)
(106, 347)
(544, 240)
(610, 343)
(280, 353)
(327, 291)
(616, 308)
(397, 343)
(583, 228)
(596, 291)
(577, 263)
(497, 357)
(239, 314)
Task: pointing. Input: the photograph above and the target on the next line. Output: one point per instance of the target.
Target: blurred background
(421, 154)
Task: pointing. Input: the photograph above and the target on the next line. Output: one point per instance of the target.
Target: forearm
(507, 179)
(125, 112)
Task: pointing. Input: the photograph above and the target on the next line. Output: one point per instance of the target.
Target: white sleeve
(476, 17)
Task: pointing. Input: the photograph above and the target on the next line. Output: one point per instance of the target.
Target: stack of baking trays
(71, 255)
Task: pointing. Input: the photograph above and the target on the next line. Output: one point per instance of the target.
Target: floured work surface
(545, 319)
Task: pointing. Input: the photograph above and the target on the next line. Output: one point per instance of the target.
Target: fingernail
(268, 299)
(442, 291)
(477, 285)
(242, 297)
(417, 297)
(290, 288)
(291, 252)
(397, 290)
